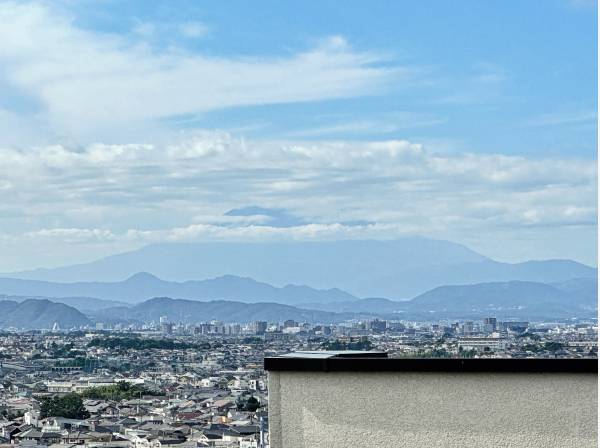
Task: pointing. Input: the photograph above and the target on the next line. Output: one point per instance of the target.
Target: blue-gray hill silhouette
(398, 269)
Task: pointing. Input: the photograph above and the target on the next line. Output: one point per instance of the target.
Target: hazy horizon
(136, 249)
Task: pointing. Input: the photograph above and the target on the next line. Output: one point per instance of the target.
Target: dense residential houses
(182, 387)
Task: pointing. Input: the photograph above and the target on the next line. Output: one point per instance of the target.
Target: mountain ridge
(142, 286)
(84, 304)
(40, 314)
(397, 269)
(191, 311)
(504, 300)
(513, 299)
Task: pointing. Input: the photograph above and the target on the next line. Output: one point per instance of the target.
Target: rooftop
(361, 361)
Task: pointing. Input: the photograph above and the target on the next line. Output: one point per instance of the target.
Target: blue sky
(523, 71)
(124, 123)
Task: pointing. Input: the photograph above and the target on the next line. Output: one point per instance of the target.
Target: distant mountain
(189, 311)
(585, 288)
(504, 300)
(397, 269)
(83, 304)
(143, 286)
(576, 298)
(39, 314)
(515, 299)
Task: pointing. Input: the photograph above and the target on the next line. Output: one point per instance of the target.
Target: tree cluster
(120, 391)
(250, 404)
(68, 406)
(144, 344)
(342, 345)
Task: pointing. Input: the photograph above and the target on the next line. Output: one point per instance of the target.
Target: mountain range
(190, 311)
(397, 269)
(518, 300)
(143, 286)
(514, 299)
(411, 278)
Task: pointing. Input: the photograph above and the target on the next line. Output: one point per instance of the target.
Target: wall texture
(401, 409)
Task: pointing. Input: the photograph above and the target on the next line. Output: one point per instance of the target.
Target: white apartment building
(483, 344)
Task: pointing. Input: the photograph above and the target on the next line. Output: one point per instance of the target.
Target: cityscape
(165, 383)
(310, 224)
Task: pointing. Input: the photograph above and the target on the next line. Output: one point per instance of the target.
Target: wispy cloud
(88, 82)
(168, 31)
(121, 173)
(588, 116)
(378, 125)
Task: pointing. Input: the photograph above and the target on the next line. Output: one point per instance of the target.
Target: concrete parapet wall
(432, 409)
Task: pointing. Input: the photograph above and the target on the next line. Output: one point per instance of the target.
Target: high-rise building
(468, 328)
(378, 326)
(489, 324)
(259, 327)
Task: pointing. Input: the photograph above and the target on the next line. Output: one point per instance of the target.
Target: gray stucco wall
(344, 409)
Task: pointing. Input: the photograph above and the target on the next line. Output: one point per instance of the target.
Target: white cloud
(210, 232)
(190, 30)
(124, 195)
(89, 83)
(72, 235)
(65, 201)
(382, 125)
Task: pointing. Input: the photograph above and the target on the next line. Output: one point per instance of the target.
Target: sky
(127, 123)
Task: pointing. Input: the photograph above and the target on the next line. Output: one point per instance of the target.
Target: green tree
(68, 406)
(342, 345)
(553, 346)
(239, 404)
(252, 404)
(440, 353)
(144, 344)
(466, 353)
(531, 348)
(120, 391)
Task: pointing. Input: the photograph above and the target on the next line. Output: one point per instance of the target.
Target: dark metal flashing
(339, 362)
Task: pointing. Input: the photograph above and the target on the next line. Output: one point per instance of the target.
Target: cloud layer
(120, 195)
